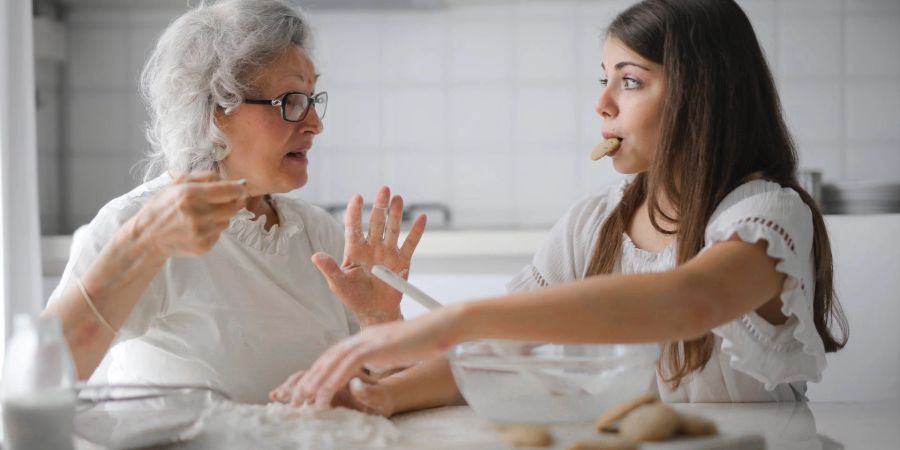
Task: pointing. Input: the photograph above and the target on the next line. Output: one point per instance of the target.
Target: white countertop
(814, 425)
(827, 426)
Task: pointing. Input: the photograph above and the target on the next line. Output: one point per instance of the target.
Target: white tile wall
(47, 75)
(545, 48)
(873, 110)
(810, 53)
(482, 187)
(591, 19)
(98, 58)
(587, 123)
(350, 172)
(481, 51)
(316, 186)
(552, 11)
(594, 175)
(350, 47)
(821, 124)
(409, 43)
(360, 106)
(875, 163)
(826, 157)
(485, 106)
(97, 122)
(414, 117)
(872, 45)
(48, 117)
(544, 116)
(93, 181)
(808, 7)
(139, 44)
(538, 189)
(48, 193)
(136, 128)
(418, 177)
(763, 14)
(480, 115)
(872, 6)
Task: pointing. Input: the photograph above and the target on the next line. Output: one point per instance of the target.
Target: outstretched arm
(729, 280)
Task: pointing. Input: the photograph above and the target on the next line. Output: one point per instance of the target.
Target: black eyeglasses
(296, 105)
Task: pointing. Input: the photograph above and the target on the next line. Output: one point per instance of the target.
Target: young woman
(712, 249)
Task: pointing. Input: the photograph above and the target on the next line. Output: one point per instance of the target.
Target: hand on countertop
(362, 393)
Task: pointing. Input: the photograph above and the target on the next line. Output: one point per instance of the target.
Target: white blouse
(241, 317)
(752, 360)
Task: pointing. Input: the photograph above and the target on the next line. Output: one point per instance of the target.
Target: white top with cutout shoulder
(752, 359)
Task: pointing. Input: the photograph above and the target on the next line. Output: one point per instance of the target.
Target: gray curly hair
(204, 60)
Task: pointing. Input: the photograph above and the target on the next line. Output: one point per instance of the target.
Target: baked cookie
(617, 412)
(653, 422)
(525, 436)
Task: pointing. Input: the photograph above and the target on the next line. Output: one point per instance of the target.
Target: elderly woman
(203, 274)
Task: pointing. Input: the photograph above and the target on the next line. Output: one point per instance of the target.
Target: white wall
(487, 108)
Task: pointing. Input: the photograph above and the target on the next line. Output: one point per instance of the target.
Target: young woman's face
(267, 151)
(631, 106)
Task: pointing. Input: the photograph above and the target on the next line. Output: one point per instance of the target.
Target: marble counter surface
(826, 426)
(788, 426)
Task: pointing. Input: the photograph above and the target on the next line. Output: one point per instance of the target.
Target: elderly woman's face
(267, 151)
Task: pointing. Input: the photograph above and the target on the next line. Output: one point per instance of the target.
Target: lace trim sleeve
(774, 354)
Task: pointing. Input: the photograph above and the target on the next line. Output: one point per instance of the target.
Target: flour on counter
(280, 426)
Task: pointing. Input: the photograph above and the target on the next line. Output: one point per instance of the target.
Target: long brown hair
(721, 126)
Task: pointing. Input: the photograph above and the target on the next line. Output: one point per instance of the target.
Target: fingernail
(358, 387)
(242, 181)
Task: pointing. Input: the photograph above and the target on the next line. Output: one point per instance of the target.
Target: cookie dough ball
(694, 425)
(519, 436)
(654, 422)
(617, 412)
(606, 443)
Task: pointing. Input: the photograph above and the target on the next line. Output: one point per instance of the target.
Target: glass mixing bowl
(526, 382)
(138, 416)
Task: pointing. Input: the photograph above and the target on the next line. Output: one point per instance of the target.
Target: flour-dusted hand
(362, 393)
(370, 299)
(379, 348)
(187, 217)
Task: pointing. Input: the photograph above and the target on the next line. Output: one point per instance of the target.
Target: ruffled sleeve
(762, 210)
(567, 250)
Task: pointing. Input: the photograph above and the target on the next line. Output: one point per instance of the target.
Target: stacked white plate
(861, 198)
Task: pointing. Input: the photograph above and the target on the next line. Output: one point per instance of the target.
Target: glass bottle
(38, 392)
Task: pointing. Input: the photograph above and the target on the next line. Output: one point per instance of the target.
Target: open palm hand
(370, 299)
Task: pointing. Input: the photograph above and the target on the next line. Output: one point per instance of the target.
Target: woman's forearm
(429, 384)
(115, 281)
(726, 282)
(624, 308)
(568, 313)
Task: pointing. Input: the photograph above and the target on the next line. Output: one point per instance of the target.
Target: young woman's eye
(604, 82)
(631, 83)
